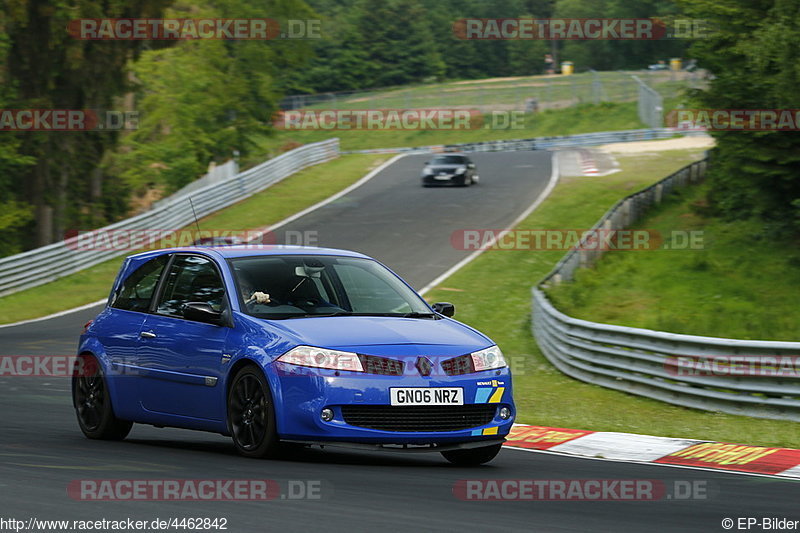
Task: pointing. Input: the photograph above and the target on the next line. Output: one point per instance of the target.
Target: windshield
(296, 286)
(449, 160)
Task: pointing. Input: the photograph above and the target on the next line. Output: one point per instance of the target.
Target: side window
(191, 279)
(137, 290)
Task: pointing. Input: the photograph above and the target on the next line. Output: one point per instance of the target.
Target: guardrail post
(626, 213)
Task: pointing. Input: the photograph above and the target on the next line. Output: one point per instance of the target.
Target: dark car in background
(449, 169)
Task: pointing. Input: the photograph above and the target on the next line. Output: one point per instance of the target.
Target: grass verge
(736, 283)
(493, 294)
(271, 205)
(585, 118)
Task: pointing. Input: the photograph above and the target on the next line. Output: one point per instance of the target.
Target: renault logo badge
(424, 366)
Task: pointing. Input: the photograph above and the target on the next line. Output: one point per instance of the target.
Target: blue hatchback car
(310, 346)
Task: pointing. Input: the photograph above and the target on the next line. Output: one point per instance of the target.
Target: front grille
(419, 418)
(381, 365)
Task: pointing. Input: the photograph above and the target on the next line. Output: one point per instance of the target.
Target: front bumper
(305, 392)
(443, 181)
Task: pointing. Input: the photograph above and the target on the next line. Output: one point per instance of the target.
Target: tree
(753, 55)
(52, 70)
(202, 100)
(396, 37)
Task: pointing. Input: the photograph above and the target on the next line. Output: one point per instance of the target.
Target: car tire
(472, 456)
(92, 402)
(251, 415)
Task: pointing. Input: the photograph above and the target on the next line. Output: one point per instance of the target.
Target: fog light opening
(326, 415)
(505, 413)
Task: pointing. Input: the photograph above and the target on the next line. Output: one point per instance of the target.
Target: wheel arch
(272, 382)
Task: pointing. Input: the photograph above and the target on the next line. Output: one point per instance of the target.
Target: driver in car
(249, 294)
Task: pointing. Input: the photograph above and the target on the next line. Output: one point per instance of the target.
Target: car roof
(253, 250)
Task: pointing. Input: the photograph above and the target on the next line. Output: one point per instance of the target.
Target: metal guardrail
(48, 263)
(540, 143)
(647, 362)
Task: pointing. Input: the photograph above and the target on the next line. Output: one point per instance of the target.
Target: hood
(376, 335)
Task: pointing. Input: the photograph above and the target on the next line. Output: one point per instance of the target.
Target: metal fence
(216, 174)
(653, 363)
(650, 105)
(41, 265)
(520, 94)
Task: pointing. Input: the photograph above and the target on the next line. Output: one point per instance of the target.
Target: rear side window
(191, 278)
(138, 288)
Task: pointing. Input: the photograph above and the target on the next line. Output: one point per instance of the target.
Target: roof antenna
(196, 223)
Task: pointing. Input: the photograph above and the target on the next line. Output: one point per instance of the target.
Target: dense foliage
(375, 43)
(754, 54)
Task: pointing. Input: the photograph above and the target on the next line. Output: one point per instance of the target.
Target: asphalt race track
(407, 227)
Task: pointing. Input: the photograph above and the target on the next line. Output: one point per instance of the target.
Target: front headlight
(427, 171)
(461, 170)
(322, 358)
(488, 359)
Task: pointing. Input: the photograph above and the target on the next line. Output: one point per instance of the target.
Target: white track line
(54, 315)
(372, 173)
(471, 257)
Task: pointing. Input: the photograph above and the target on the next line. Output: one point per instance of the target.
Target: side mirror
(444, 308)
(201, 312)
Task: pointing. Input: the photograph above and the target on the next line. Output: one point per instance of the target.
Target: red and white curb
(588, 163)
(612, 446)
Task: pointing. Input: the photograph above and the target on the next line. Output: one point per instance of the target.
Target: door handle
(147, 335)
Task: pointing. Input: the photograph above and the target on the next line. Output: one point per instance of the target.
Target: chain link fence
(508, 94)
(650, 105)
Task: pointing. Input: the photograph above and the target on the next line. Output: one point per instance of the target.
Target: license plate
(442, 177)
(427, 396)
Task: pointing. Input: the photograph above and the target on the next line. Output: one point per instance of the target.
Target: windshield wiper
(417, 314)
(413, 314)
